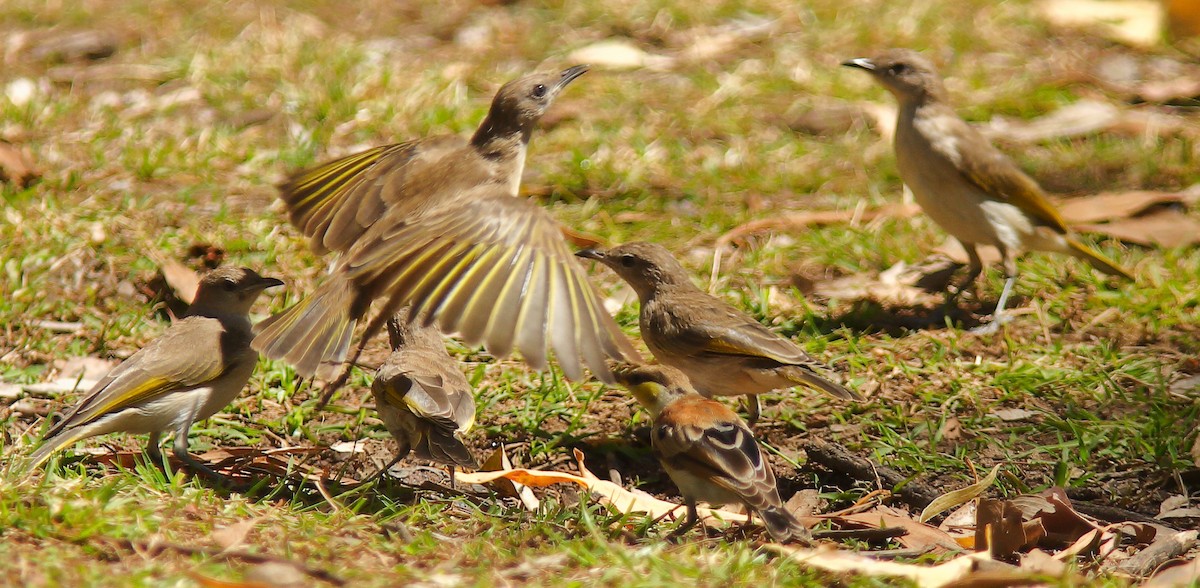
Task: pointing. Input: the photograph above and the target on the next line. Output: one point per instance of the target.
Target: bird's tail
(51, 445)
(314, 332)
(810, 377)
(1097, 259)
(443, 447)
(784, 527)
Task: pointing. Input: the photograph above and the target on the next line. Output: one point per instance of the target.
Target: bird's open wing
(335, 203)
(167, 363)
(497, 270)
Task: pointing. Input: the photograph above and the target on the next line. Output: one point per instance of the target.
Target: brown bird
(422, 396)
(196, 368)
(708, 450)
(434, 224)
(967, 186)
(726, 351)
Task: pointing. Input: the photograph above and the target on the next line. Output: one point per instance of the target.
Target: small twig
(320, 484)
(863, 534)
(1149, 559)
(839, 459)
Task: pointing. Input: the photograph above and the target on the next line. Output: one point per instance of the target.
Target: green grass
(140, 169)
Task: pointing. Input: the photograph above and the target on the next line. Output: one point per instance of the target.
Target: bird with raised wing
(966, 185)
(724, 350)
(196, 368)
(434, 224)
(707, 450)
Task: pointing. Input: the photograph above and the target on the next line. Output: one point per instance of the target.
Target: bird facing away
(434, 224)
(708, 450)
(966, 185)
(724, 350)
(422, 397)
(196, 368)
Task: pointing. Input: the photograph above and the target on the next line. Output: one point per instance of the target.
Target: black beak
(860, 63)
(265, 282)
(590, 254)
(569, 75)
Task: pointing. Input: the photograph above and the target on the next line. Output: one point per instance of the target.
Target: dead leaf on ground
(1181, 91)
(233, 536)
(897, 285)
(1165, 228)
(497, 463)
(1078, 119)
(1000, 530)
(965, 570)
(620, 54)
(59, 46)
(920, 535)
(16, 165)
(1186, 574)
(954, 498)
(830, 119)
(86, 366)
(807, 218)
(1109, 206)
(1134, 22)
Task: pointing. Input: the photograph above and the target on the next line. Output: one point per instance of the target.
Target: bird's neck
(501, 137)
(232, 317)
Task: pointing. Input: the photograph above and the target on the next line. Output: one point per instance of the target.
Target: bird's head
(654, 385)
(648, 267)
(904, 72)
(229, 290)
(521, 103)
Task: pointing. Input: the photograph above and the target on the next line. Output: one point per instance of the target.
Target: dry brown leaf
(233, 536)
(86, 366)
(1187, 574)
(807, 218)
(620, 54)
(1110, 206)
(1165, 228)
(962, 570)
(1135, 22)
(16, 165)
(896, 285)
(1176, 91)
(1000, 530)
(498, 462)
(581, 239)
(1081, 118)
(920, 535)
(607, 492)
(180, 278)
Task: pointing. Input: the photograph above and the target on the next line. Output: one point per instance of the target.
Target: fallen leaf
(86, 366)
(1134, 22)
(349, 447)
(1180, 576)
(497, 463)
(620, 54)
(1181, 91)
(1037, 561)
(1078, 119)
(896, 285)
(74, 46)
(1000, 530)
(1173, 502)
(919, 536)
(830, 120)
(807, 218)
(1010, 415)
(60, 386)
(16, 165)
(180, 278)
(1165, 228)
(954, 498)
(1109, 206)
(233, 536)
(951, 430)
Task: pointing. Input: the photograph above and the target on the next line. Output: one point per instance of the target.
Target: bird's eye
(628, 260)
(539, 91)
(228, 285)
(898, 69)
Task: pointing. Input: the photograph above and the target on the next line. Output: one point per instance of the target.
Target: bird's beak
(264, 282)
(569, 75)
(591, 254)
(860, 63)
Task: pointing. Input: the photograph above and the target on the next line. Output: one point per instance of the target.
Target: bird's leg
(999, 317)
(395, 460)
(693, 517)
(974, 268)
(753, 409)
(181, 452)
(453, 470)
(153, 451)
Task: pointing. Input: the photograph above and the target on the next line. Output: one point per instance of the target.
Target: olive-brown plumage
(434, 224)
(196, 368)
(966, 185)
(422, 396)
(724, 350)
(708, 450)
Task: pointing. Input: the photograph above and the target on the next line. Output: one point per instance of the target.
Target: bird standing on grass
(708, 450)
(967, 186)
(434, 224)
(724, 350)
(196, 368)
(422, 397)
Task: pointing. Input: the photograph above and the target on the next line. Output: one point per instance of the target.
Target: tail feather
(784, 527)
(51, 445)
(809, 377)
(444, 447)
(1098, 260)
(313, 332)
